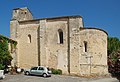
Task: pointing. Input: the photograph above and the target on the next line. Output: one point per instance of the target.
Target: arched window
(60, 36)
(29, 38)
(25, 12)
(85, 46)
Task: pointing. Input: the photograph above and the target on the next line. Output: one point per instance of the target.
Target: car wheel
(44, 75)
(27, 73)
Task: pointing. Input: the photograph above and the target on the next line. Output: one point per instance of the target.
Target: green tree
(5, 57)
(113, 45)
(114, 55)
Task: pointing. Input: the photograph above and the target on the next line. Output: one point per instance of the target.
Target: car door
(40, 71)
(34, 70)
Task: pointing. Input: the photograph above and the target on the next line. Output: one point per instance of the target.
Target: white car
(38, 70)
(2, 76)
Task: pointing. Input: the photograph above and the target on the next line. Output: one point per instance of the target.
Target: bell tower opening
(21, 14)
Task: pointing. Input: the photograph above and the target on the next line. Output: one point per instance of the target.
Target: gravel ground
(54, 78)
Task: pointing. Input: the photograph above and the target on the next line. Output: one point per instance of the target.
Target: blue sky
(103, 14)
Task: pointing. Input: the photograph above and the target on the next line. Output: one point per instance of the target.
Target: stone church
(59, 42)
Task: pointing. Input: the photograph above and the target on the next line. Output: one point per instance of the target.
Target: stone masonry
(59, 42)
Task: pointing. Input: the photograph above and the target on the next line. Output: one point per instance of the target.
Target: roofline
(16, 8)
(7, 37)
(93, 28)
(73, 16)
(57, 17)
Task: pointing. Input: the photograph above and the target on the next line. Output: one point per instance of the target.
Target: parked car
(38, 70)
(2, 76)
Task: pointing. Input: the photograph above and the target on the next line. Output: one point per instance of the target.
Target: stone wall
(56, 52)
(95, 59)
(27, 50)
(13, 29)
(74, 25)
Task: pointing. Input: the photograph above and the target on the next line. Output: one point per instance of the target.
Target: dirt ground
(54, 78)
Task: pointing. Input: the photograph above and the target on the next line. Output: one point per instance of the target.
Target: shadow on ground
(116, 75)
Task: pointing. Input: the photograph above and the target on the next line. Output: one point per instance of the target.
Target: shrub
(1, 67)
(56, 71)
(114, 62)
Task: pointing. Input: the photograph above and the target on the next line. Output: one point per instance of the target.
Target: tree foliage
(114, 62)
(5, 57)
(113, 44)
(114, 55)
